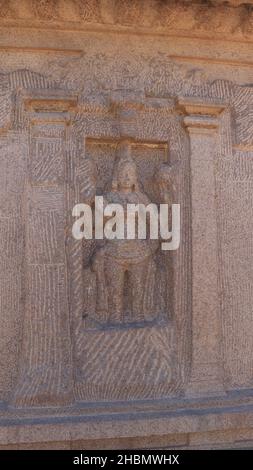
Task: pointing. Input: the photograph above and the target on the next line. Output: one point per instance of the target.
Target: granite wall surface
(99, 351)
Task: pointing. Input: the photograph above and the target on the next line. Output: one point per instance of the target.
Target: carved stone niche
(132, 329)
(126, 283)
(81, 339)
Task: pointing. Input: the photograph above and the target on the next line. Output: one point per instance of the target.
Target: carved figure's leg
(138, 274)
(114, 273)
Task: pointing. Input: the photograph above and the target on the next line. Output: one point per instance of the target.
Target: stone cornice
(184, 18)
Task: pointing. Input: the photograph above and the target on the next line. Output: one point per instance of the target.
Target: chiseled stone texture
(126, 345)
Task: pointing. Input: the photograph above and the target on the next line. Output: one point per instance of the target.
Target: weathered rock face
(91, 91)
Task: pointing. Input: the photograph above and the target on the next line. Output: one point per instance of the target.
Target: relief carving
(90, 11)
(193, 17)
(122, 292)
(124, 274)
(46, 9)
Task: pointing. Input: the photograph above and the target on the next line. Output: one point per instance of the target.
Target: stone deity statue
(125, 268)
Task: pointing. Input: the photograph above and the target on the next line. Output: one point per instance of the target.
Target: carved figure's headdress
(125, 160)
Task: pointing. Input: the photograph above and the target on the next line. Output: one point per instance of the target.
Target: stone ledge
(95, 424)
(209, 429)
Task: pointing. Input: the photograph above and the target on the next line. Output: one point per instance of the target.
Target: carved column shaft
(45, 376)
(202, 123)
